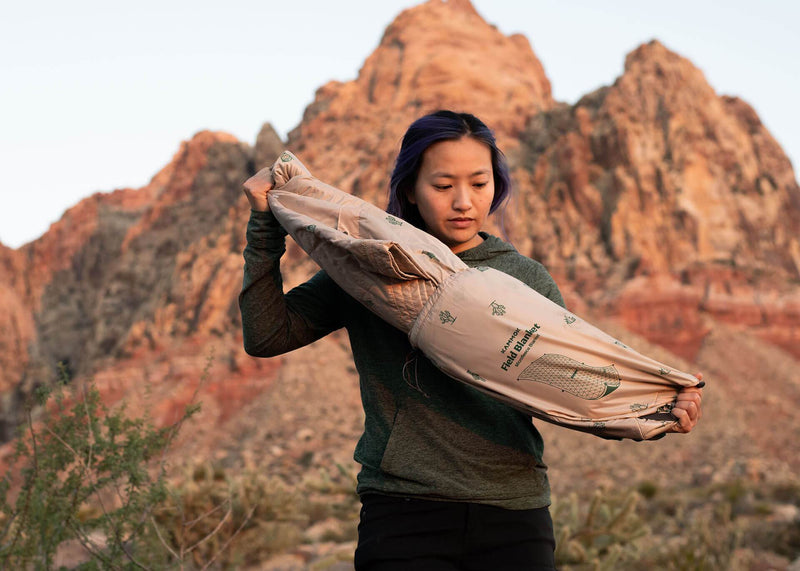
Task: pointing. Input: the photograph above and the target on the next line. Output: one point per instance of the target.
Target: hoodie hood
(486, 250)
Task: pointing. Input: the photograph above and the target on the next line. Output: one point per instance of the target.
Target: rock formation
(658, 178)
(130, 274)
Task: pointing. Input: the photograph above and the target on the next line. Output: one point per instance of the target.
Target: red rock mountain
(660, 207)
(677, 198)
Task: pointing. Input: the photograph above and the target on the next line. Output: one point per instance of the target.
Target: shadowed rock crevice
(88, 310)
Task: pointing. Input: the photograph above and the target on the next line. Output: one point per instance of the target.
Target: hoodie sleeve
(274, 323)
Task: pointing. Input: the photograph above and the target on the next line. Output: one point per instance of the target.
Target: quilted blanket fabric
(478, 325)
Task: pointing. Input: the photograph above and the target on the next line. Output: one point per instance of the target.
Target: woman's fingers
(690, 403)
(684, 422)
(257, 187)
(262, 181)
(688, 408)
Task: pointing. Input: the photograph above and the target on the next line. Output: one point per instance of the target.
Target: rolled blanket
(478, 325)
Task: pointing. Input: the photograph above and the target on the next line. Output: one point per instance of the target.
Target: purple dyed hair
(440, 126)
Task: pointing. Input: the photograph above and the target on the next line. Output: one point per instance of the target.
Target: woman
(451, 478)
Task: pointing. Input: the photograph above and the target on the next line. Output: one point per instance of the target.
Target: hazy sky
(97, 95)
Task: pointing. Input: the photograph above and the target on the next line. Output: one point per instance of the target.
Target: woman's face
(454, 191)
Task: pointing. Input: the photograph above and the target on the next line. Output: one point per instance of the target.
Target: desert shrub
(647, 489)
(238, 518)
(83, 473)
(94, 478)
(203, 513)
(781, 537)
(602, 535)
(706, 542)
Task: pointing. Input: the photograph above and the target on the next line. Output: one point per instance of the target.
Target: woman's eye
(441, 186)
(481, 184)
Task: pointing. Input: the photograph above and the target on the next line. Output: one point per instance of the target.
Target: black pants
(401, 534)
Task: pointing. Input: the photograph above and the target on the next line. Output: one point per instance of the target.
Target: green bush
(85, 473)
(210, 507)
(600, 536)
(94, 478)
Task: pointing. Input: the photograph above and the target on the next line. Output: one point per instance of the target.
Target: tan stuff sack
(478, 325)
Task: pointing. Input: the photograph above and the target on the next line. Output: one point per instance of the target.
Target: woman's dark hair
(424, 132)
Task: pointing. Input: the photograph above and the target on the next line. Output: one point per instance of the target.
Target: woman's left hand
(687, 408)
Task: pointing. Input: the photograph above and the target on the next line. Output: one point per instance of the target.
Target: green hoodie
(425, 434)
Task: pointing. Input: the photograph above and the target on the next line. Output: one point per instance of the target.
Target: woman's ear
(410, 196)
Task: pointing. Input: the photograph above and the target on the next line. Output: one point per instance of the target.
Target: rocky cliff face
(658, 178)
(659, 171)
(131, 274)
(16, 320)
(653, 201)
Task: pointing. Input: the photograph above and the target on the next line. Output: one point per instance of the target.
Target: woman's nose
(461, 198)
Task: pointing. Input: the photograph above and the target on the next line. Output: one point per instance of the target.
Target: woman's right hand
(257, 187)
